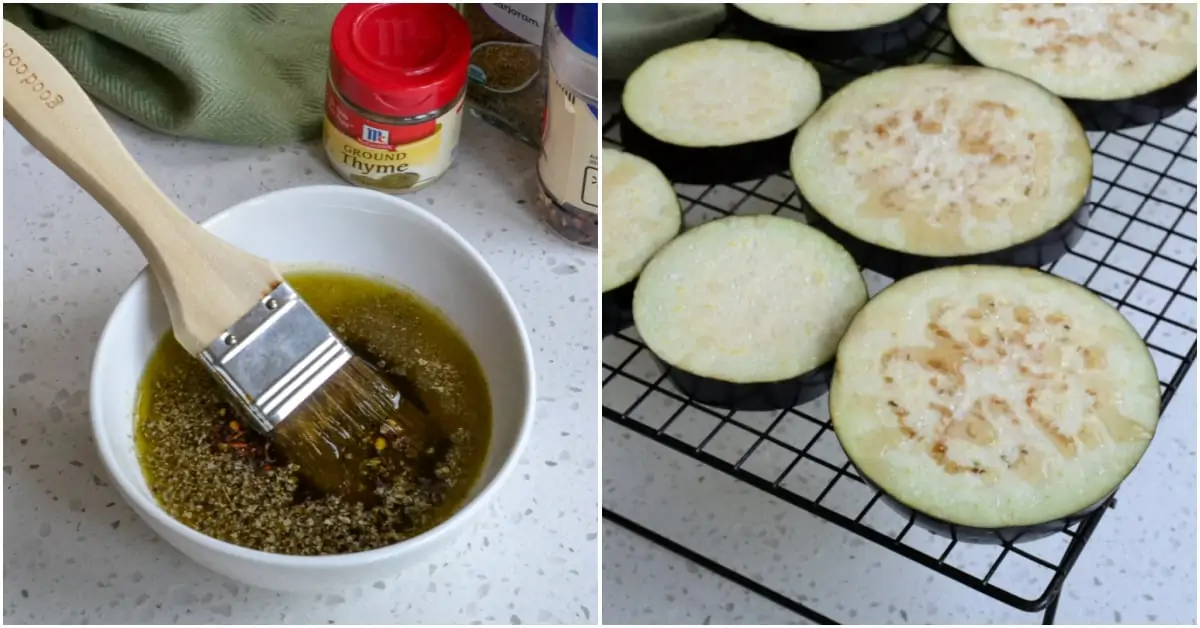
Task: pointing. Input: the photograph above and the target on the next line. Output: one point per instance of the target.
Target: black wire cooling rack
(1139, 253)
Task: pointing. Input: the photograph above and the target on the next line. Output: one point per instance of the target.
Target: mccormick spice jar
(507, 82)
(568, 168)
(394, 99)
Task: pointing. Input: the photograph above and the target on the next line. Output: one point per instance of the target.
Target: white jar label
(522, 20)
(568, 165)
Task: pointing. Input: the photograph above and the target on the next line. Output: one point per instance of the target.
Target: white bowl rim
(149, 506)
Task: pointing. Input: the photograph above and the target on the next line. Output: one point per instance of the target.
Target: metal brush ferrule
(275, 357)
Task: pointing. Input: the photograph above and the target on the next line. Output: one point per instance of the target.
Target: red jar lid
(399, 60)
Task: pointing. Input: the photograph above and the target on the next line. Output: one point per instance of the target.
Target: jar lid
(399, 60)
(578, 23)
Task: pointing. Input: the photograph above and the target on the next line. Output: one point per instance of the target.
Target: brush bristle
(356, 432)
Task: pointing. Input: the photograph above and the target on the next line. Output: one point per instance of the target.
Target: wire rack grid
(1138, 253)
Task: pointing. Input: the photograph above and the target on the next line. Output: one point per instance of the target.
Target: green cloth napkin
(233, 73)
(634, 32)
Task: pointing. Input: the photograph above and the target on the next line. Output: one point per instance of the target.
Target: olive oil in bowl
(210, 471)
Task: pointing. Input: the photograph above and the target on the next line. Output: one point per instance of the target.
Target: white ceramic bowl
(350, 229)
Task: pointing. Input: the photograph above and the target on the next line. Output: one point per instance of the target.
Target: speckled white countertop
(75, 553)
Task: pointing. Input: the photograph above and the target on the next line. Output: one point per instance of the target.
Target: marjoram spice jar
(395, 94)
(507, 83)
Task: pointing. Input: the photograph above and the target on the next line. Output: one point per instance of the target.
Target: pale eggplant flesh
(641, 214)
(745, 312)
(1124, 113)
(991, 403)
(1116, 66)
(927, 166)
(718, 110)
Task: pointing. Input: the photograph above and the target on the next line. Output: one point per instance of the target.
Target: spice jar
(394, 98)
(506, 81)
(568, 167)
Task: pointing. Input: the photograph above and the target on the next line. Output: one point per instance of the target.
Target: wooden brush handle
(208, 283)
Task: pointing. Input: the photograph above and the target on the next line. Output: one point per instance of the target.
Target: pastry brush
(286, 371)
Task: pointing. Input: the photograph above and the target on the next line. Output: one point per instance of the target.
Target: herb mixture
(209, 470)
(504, 67)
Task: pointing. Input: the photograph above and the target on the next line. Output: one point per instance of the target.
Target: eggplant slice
(923, 166)
(745, 312)
(1117, 65)
(718, 110)
(996, 402)
(641, 214)
(835, 32)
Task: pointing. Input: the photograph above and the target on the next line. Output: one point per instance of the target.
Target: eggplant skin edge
(617, 308)
(836, 45)
(1045, 249)
(970, 533)
(752, 396)
(761, 382)
(978, 535)
(1122, 113)
(709, 165)
(1152, 108)
(616, 305)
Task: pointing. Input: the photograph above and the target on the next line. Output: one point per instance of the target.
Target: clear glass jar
(568, 167)
(415, 151)
(394, 105)
(506, 77)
